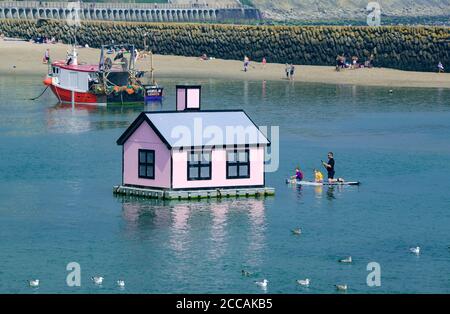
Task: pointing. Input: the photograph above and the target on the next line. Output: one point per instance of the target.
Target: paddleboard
(322, 183)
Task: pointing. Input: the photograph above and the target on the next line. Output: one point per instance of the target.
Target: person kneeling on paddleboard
(330, 169)
(298, 174)
(318, 176)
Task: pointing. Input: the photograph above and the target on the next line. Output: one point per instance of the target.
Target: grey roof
(206, 128)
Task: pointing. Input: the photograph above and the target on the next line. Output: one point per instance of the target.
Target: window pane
(142, 157)
(193, 173)
(243, 171)
(150, 157)
(204, 172)
(142, 171)
(206, 157)
(232, 171)
(242, 155)
(231, 156)
(150, 171)
(193, 157)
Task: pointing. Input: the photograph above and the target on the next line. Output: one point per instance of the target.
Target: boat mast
(151, 66)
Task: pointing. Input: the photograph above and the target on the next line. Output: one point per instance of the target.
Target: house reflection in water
(212, 228)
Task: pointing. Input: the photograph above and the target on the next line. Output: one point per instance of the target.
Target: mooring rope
(40, 94)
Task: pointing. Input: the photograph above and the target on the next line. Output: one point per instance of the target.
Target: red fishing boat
(113, 80)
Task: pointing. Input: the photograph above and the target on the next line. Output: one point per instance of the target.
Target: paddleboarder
(329, 166)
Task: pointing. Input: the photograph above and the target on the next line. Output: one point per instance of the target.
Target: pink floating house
(191, 153)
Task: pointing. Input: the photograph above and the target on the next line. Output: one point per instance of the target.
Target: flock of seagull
(98, 280)
(307, 281)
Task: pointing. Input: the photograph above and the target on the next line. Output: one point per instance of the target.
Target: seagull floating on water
(304, 282)
(246, 273)
(33, 283)
(121, 283)
(97, 280)
(296, 231)
(262, 284)
(341, 287)
(347, 260)
(415, 250)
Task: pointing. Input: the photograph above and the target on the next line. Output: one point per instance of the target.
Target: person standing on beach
(264, 62)
(288, 71)
(46, 58)
(441, 67)
(292, 72)
(246, 63)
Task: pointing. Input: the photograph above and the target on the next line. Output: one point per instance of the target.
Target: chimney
(188, 97)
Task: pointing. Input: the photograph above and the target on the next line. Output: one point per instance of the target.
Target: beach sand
(24, 58)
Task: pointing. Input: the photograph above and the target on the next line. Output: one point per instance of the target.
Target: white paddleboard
(322, 183)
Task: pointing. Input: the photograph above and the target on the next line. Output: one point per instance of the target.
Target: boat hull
(88, 98)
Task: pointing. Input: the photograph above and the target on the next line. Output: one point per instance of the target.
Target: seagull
(415, 250)
(341, 287)
(97, 280)
(246, 273)
(304, 282)
(297, 231)
(121, 283)
(33, 283)
(262, 284)
(347, 260)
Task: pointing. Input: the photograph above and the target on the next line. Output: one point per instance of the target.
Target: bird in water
(246, 273)
(296, 231)
(121, 283)
(341, 287)
(262, 284)
(415, 250)
(34, 283)
(97, 280)
(347, 260)
(304, 282)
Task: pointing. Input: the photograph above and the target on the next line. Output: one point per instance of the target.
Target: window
(238, 164)
(199, 166)
(146, 164)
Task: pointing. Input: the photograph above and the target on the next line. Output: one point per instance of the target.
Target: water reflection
(182, 226)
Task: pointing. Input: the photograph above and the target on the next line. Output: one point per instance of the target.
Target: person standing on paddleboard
(330, 169)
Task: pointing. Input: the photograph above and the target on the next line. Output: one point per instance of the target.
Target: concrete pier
(193, 194)
(135, 12)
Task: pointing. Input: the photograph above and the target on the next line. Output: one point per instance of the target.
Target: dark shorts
(330, 174)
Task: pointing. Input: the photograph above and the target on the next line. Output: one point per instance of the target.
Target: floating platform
(193, 194)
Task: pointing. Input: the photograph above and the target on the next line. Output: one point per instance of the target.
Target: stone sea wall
(401, 47)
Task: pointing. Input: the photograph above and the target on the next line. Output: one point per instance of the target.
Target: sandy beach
(24, 58)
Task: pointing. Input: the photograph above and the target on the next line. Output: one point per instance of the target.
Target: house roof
(200, 128)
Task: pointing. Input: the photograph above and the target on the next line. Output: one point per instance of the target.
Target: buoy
(48, 81)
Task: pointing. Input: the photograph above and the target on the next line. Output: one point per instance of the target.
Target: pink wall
(181, 99)
(219, 175)
(145, 138)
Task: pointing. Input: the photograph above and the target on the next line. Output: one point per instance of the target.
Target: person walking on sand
(441, 67)
(287, 69)
(246, 63)
(292, 72)
(264, 62)
(46, 58)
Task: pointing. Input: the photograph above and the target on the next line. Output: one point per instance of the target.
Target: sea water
(58, 165)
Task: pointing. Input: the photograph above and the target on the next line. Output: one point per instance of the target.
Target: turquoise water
(58, 167)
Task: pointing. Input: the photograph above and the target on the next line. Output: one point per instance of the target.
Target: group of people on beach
(342, 63)
(290, 71)
(247, 63)
(318, 176)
